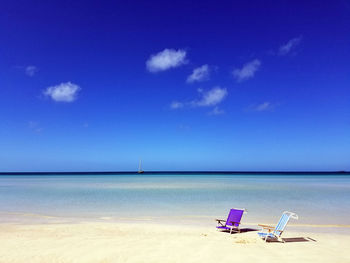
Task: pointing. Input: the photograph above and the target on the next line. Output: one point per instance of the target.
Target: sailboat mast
(140, 167)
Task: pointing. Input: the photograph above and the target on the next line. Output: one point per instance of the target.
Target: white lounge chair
(276, 232)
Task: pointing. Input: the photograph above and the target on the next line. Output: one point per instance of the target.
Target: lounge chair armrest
(233, 222)
(221, 222)
(266, 226)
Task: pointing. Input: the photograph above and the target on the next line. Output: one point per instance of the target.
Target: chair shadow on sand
(242, 230)
(284, 240)
(292, 240)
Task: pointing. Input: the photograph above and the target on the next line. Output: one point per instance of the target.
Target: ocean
(191, 198)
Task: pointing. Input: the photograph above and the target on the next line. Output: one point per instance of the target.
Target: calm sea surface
(316, 199)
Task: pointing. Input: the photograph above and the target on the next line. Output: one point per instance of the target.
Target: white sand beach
(151, 242)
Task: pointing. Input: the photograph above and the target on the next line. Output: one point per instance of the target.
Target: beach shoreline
(179, 220)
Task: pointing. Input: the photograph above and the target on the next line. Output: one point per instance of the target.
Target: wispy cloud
(184, 127)
(289, 46)
(64, 92)
(208, 98)
(34, 126)
(199, 74)
(216, 111)
(265, 106)
(176, 105)
(166, 59)
(31, 70)
(247, 71)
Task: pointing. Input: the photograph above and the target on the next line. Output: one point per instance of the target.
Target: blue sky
(212, 85)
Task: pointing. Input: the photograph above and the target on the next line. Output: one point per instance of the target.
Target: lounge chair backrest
(282, 223)
(235, 215)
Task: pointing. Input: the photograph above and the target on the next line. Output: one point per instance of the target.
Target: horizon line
(169, 172)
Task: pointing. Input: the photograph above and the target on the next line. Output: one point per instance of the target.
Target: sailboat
(140, 168)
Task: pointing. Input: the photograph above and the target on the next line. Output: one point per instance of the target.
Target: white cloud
(216, 111)
(208, 98)
(166, 59)
(211, 97)
(65, 92)
(265, 106)
(31, 70)
(176, 105)
(289, 46)
(247, 71)
(199, 74)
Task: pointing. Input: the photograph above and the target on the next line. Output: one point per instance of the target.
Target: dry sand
(147, 242)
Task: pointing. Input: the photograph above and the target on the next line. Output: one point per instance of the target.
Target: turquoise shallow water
(316, 199)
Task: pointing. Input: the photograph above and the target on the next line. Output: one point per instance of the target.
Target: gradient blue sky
(96, 85)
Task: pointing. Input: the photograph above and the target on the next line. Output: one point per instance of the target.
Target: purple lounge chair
(233, 221)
